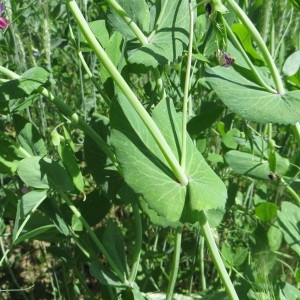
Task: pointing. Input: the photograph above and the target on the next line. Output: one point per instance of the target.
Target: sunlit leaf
(147, 172)
(251, 101)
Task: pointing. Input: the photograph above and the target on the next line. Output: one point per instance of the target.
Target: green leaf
(289, 220)
(9, 204)
(29, 137)
(292, 64)
(147, 172)
(254, 166)
(210, 112)
(40, 228)
(113, 241)
(33, 233)
(104, 276)
(67, 157)
(229, 139)
(144, 167)
(55, 137)
(274, 237)
(76, 224)
(289, 291)
(214, 217)
(18, 105)
(30, 200)
(44, 173)
(245, 38)
(112, 46)
(137, 10)
(51, 210)
(266, 211)
(170, 39)
(233, 258)
(10, 154)
(240, 256)
(99, 30)
(29, 82)
(25, 210)
(94, 199)
(251, 101)
(205, 189)
(95, 158)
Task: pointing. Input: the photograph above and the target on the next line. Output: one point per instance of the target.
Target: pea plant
(151, 148)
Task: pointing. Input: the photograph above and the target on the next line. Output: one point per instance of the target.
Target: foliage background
(259, 232)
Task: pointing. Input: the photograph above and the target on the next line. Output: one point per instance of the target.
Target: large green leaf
(145, 169)
(170, 39)
(147, 172)
(251, 101)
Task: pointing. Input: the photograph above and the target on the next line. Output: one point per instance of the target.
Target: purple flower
(224, 58)
(3, 21)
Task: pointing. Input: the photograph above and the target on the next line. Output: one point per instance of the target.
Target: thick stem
(261, 45)
(214, 251)
(128, 93)
(132, 25)
(247, 59)
(175, 264)
(291, 191)
(186, 89)
(142, 39)
(296, 131)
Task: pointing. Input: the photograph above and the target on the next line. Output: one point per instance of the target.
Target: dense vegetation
(150, 149)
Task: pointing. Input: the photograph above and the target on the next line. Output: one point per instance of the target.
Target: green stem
(214, 251)
(186, 89)
(248, 61)
(128, 93)
(138, 242)
(132, 25)
(88, 71)
(142, 39)
(159, 19)
(291, 191)
(175, 264)
(296, 131)
(202, 263)
(93, 236)
(261, 45)
(289, 17)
